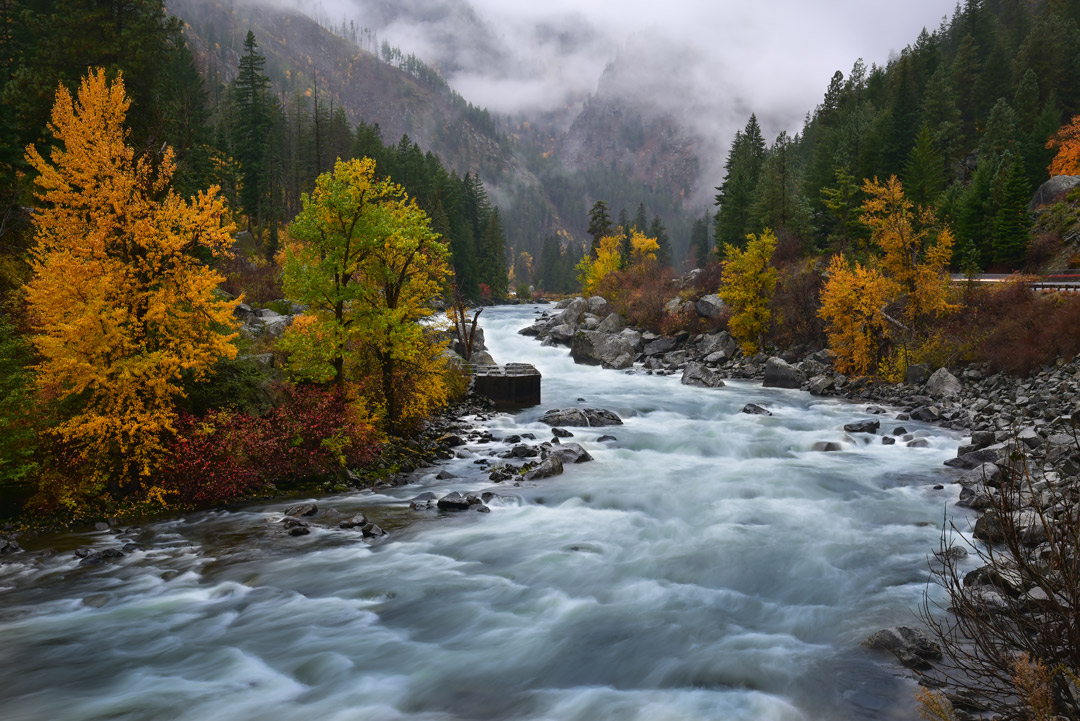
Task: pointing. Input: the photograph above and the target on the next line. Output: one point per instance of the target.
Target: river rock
(781, 374)
(659, 346)
(989, 528)
(107, 555)
(550, 466)
(372, 531)
(581, 417)
(710, 306)
(304, 509)
(713, 343)
(918, 443)
(604, 349)
(299, 530)
(633, 337)
(911, 646)
(888, 441)
(453, 501)
(825, 446)
(991, 454)
(696, 374)
(613, 323)
(820, 384)
(755, 410)
(943, 384)
(570, 453)
(862, 427)
(357, 521)
(562, 333)
(985, 474)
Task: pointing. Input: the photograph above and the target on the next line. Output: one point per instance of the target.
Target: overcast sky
(712, 63)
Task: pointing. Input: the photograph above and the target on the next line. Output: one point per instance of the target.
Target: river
(707, 565)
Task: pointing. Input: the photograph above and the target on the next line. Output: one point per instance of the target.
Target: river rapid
(706, 565)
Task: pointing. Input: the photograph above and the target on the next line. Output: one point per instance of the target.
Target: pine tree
(641, 221)
(924, 172)
(599, 224)
(700, 245)
(735, 195)
(252, 121)
(1012, 222)
(491, 256)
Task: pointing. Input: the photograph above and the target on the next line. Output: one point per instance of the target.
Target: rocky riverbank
(1019, 469)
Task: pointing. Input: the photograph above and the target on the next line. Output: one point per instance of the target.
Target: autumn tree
(121, 302)
(853, 305)
(749, 282)
(1067, 144)
(363, 257)
(610, 258)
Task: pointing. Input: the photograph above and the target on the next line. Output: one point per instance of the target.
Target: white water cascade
(706, 565)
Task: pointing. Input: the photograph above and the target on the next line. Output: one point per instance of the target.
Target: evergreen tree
(735, 196)
(599, 224)
(700, 244)
(641, 221)
(658, 231)
(779, 202)
(941, 116)
(491, 256)
(1012, 222)
(843, 200)
(251, 117)
(924, 172)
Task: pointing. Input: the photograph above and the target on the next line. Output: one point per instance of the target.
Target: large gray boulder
(570, 453)
(603, 349)
(598, 306)
(710, 306)
(696, 374)
(1053, 190)
(613, 323)
(571, 315)
(781, 374)
(721, 342)
(562, 333)
(580, 417)
(943, 384)
(633, 337)
(550, 466)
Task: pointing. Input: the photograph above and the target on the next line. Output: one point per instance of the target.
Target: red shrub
(225, 455)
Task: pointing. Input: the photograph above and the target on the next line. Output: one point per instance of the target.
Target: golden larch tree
(122, 304)
(643, 253)
(853, 304)
(749, 283)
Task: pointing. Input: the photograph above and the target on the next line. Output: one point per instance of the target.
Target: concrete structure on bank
(514, 385)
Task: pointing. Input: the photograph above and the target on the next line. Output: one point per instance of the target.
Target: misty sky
(710, 63)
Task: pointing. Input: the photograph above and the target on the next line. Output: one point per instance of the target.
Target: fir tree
(251, 123)
(599, 224)
(1012, 222)
(924, 171)
(735, 196)
(658, 231)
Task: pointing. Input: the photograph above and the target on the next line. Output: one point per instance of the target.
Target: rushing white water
(707, 565)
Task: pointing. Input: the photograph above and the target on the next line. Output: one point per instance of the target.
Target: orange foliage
(852, 305)
(121, 303)
(1067, 142)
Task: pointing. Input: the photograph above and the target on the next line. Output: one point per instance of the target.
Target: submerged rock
(755, 410)
(911, 646)
(698, 375)
(550, 466)
(570, 453)
(580, 417)
(862, 427)
(825, 446)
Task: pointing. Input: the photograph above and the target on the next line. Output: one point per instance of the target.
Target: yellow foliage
(749, 282)
(852, 306)
(363, 257)
(1067, 142)
(1034, 685)
(121, 303)
(609, 258)
(916, 251)
(934, 706)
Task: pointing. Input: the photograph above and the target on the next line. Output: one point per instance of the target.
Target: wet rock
(453, 501)
(696, 374)
(899, 431)
(550, 466)
(606, 439)
(8, 546)
(713, 343)
(943, 384)
(561, 433)
(579, 417)
(108, 555)
(604, 349)
(96, 600)
(357, 521)
(299, 530)
(887, 440)
(292, 523)
(523, 451)
(988, 474)
(991, 454)
(304, 509)
(444, 476)
(372, 531)
(825, 446)
(101, 526)
(989, 528)
(974, 498)
(913, 648)
(755, 410)
(613, 323)
(660, 346)
(781, 374)
(862, 427)
(926, 414)
(918, 443)
(819, 384)
(570, 453)
(453, 441)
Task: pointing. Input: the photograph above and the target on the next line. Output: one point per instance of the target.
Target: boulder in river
(911, 646)
(696, 374)
(550, 466)
(561, 433)
(570, 453)
(304, 509)
(453, 501)
(781, 374)
(357, 521)
(580, 417)
(755, 410)
(826, 446)
(609, 350)
(862, 427)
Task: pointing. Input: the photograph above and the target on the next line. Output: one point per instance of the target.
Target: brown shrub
(259, 281)
(795, 305)
(1025, 330)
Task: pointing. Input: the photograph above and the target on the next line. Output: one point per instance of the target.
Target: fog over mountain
(708, 62)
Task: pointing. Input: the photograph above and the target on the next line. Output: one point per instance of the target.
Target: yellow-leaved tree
(749, 282)
(121, 301)
(363, 257)
(853, 305)
(610, 258)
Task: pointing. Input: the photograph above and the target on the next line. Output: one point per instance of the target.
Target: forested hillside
(962, 117)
